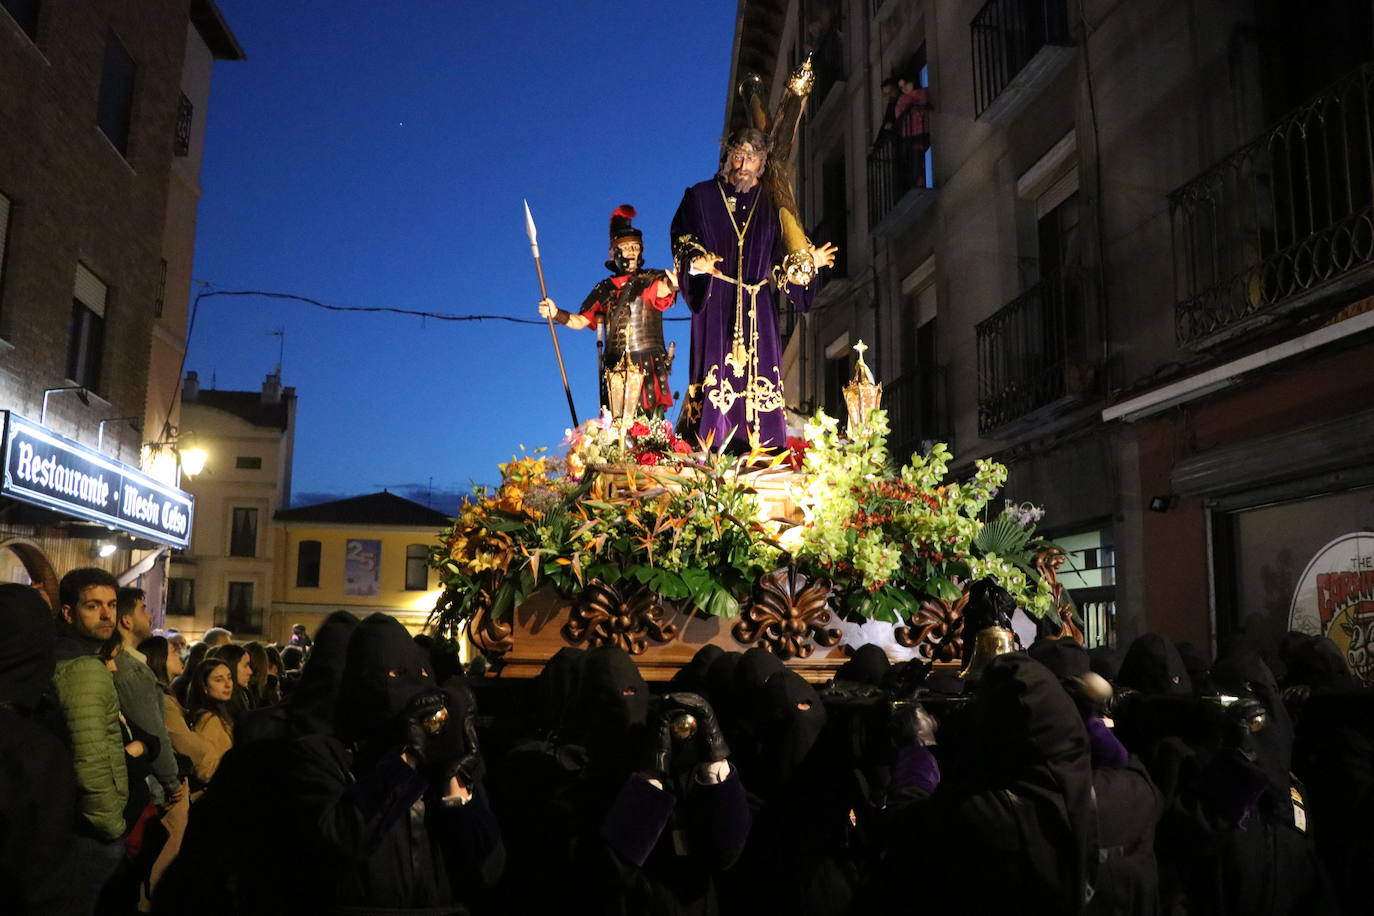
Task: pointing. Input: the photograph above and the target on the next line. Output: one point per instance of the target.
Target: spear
(544, 294)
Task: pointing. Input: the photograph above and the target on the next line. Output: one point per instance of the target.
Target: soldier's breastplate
(644, 325)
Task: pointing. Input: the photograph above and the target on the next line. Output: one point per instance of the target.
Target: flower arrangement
(687, 525)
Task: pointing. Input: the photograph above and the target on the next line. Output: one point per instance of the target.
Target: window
(239, 615)
(5, 209)
(417, 567)
(87, 346)
(116, 105)
(248, 463)
(838, 366)
(181, 597)
(24, 12)
(243, 537)
(181, 140)
(308, 564)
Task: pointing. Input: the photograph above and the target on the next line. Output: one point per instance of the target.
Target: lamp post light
(81, 393)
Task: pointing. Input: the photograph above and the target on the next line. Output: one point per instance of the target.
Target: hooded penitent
(556, 691)
(26, 647)
(868, 666)
(791, 722)
(1153, 666)
(1032, 744)
(614, 707)
(383, 672)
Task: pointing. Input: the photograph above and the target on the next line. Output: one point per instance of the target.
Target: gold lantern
(862, 395)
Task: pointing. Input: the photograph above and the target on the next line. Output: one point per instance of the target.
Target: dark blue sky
(377, 155)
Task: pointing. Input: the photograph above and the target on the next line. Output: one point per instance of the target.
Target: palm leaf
(1002, 536)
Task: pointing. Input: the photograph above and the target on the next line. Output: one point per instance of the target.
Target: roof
(209, 22)
(373, 509)
(246, 405)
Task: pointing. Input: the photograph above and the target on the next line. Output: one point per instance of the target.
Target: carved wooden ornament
(785, 613)
(486, 633)
(936, 630)
(625, 616)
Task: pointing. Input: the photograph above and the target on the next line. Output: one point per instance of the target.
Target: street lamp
(80, 390)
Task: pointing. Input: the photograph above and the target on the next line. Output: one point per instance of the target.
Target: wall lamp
(190, 458)
(1162, 503)
(81, 393)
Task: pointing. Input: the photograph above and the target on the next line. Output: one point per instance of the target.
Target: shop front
(64, 505)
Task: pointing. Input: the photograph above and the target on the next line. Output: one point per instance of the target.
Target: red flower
(797, 452)
(639, 430)
(647, 457)
(682, 448)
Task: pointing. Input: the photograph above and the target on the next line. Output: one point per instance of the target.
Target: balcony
(1282, 224)
(1035, 357)
(917, 412)
(1019, 47)
(240, 619)
(898, 182)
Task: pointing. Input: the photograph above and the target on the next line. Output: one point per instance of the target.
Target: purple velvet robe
(734, 399)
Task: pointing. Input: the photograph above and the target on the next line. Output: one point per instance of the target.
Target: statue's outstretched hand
(547, 308)
(706, 264)
(824, 256)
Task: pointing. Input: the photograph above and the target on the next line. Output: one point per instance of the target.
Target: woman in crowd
(262, 682)
(212, 712)
(240, 662)
(181, 684)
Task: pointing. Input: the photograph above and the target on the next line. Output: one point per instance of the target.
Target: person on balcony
(913, 126)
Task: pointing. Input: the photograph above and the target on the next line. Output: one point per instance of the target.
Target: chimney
(190, 389)
(271, 389)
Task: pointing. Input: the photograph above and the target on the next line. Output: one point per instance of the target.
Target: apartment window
(116, 106)
(24, 12)
(248, 463)
(86, 348)
(239, 615)
(5, 210)
(181, 597)
(181, 140)
(308, 564)
(838, 366)
(417, 567)
(243, 536)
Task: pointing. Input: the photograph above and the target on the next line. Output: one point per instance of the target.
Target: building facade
(366, 554)
(1125, 249)
(228, 575)
(98, 192)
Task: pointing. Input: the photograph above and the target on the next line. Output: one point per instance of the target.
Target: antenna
(280, 334)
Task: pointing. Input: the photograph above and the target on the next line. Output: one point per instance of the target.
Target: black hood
(27, 641)
(383, 671)
(1105, 661)
(1244, 673)
(556, 689)
(614, 707)
(1153, 666)
(1065, 656)
(1318, 663)
(313, 699)
(868, 666)
(792, 719)
(1199, 668)
(692, 676)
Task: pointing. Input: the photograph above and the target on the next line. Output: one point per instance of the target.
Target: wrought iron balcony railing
(1281, 223)
(917, 411)
(895, 166)
(1006, 35)
(181, 139)
(1034, 354)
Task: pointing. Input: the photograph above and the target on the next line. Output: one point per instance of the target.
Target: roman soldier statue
(627, 308)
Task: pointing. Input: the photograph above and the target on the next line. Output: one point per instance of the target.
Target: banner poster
(1335, 598)
(362, 567)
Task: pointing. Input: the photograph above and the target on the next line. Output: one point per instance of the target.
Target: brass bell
(683, 726)
(988, 644)
(434, 723)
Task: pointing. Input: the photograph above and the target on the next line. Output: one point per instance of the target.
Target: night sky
(366, 156)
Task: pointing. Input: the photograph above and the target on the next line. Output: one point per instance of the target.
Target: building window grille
(161, 289)
(308, 564)
(181, 140)
(86, 346)
(243, 536)
(239, 615)
(1006, 36)
(116, 107)
(248, 463)
(417, 567)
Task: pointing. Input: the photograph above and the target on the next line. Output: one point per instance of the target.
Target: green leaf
(721, 604)
(943, 589)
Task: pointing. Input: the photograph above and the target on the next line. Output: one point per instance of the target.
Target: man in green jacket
(86, 692)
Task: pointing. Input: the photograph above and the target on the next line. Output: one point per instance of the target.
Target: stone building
(1133, 263)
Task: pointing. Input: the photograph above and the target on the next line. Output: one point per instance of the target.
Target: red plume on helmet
(621, 228)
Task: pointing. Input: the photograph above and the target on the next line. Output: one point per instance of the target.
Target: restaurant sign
(54, 472)
(1335, 598)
